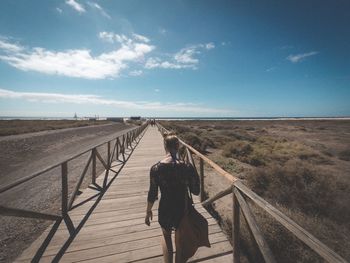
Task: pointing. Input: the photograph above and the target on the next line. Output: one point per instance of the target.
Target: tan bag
(192, 232)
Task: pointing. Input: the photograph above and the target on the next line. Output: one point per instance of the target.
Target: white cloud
(122, 39)
(183, 59)
(152, 63)
(209, 46)
(81, 63)
(136, 73)
(299, 57)
(186, 55)
(75, 62)
(99, 8)
(76, 6)
(106, 36)
(156, 90)
(98, 100)
(8, 47)
(141, 38)
(59, 10)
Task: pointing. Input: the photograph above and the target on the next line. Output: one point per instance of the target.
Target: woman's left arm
(194, 180)
(149, 214)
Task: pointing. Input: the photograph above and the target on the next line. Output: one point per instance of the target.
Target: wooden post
(201, 174)
(235, 228)
(64, 174)
(117, 150)
(109, 161)
(77, 186)
(93, 179)
(123, 148)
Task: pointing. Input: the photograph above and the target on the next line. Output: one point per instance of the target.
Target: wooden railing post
(201, 174)
(117, 150)
(235, 227)
(93, 179)
(109, 161)
(123, 148)
(64, 175)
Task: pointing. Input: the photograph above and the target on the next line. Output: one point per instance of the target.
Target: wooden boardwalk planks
(110, 226)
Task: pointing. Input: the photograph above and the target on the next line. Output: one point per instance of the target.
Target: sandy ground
(23, 155)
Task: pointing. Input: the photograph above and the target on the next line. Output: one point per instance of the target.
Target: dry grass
(265, 150)
(12, 127)
(345, 155)
(300, 167)
(299, 185)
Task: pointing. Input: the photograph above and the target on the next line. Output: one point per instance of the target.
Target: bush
(344, 155)
(237, 149)
(298, 185)
(195, 141)
(239, 134)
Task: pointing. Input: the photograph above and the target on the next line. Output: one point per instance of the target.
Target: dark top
(172, 180)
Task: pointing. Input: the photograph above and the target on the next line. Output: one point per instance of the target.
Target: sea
(178, 118)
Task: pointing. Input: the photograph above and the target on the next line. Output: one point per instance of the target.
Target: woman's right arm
(153, 186)
(152, 196)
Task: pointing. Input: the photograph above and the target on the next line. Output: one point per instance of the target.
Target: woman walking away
(173, 177)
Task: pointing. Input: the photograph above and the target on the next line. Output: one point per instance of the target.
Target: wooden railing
(239, 205)
(116, 148)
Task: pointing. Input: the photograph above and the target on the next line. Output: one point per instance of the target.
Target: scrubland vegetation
(11, 127)
(301, 167)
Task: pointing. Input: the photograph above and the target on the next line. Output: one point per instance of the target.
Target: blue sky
(174, 58)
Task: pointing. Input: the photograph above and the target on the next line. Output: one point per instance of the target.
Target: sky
(178, 58)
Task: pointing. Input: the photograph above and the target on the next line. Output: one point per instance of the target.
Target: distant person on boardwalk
(172, 177)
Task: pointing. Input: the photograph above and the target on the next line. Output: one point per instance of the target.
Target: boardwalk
(110, 226)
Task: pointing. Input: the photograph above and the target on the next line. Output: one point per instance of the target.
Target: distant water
(183, 118)
(35, 118)
(252, 118)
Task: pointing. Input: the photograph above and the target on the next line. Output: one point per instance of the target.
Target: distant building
(115, 119)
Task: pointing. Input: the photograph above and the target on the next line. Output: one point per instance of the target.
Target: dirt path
(22, 155)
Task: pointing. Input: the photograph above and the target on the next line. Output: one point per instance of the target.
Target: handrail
(122, 143)
(46, 169)
(237, 188)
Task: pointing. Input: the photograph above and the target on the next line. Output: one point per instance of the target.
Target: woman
(172, 176)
